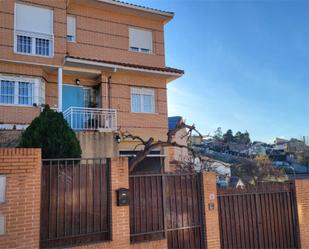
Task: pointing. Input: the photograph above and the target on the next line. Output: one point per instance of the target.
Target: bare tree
(150, 144)
(258, 170)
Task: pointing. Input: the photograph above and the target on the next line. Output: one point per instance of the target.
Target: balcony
(91, 119)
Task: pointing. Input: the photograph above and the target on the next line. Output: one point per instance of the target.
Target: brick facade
(21, 209)
(102, 32)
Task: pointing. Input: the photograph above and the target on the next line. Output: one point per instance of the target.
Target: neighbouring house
(99, 62)
(238, 149)
(280, 144)
(177, 154)
(294, 146)
(258, 149)
(302, 157)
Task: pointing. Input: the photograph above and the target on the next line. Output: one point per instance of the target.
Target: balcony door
(72, 96)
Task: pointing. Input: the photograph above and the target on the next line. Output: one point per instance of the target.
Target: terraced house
(100, 62)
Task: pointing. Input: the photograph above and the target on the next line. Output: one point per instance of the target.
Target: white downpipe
(60, 89)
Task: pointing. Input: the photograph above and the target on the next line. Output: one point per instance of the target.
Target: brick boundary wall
(302, 199)
(22, 168)
(211, 216)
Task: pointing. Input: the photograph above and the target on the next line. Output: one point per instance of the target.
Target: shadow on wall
(10, 138)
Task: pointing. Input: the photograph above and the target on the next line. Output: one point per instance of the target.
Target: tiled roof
(160, 69)
(141, 6)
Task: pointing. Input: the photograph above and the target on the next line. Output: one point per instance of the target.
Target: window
(42, 46)
(24, 44)
(7, 92)
(71, 28)
(21, 91)
(140, 40)
(90, 97)
(33, 30)
(25, 93)
(142, 100)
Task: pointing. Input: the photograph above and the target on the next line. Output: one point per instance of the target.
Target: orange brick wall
(211, 218)
(144, 125)
(141, 124)
(302, 198)
(7, 32)
(22, 168)
(102, 33)
(22, 207)
(18, 114)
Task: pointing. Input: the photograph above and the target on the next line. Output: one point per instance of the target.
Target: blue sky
(246, 65)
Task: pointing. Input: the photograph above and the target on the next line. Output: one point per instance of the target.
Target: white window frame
(38, 89)
(143, 91)
(138, 49)
(74, 36)
(33, 36)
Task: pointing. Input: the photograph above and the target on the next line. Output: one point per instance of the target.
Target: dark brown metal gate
(183, 211)
(75, 202)
(264, 216)
(167, 205)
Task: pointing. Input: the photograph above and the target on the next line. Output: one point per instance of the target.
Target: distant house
(238, 149)
(280, 144)
(258, 149)
(295, 145)
(221, 168)
(236, 182)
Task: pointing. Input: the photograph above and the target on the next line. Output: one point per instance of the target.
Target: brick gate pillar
(302, 199)
(20, 205)
(211, 218)
(120, 214)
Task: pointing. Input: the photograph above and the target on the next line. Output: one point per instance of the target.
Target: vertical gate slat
(283, 219)
(222, 222)
(264, 221)
(245, 222)
(290, 222)
(241, 221)
(250, 222)
(268, 220)
(178, 202)
(279, 220)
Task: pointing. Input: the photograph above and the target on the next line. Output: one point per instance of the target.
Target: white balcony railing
(81, 118)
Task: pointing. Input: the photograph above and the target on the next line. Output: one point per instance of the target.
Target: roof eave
(170, 75)
(166, 14)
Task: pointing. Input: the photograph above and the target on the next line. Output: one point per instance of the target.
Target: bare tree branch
(151, 144)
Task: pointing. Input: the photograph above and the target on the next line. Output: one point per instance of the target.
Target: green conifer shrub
(52, 134)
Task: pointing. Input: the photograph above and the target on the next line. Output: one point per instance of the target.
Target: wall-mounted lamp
(118, 138)
(77, 82)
